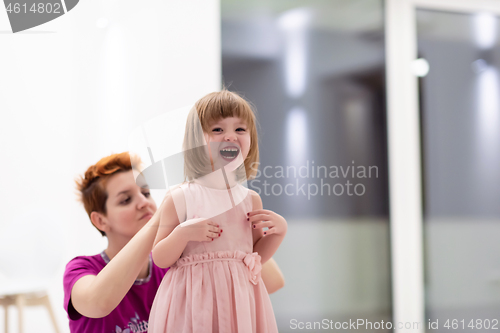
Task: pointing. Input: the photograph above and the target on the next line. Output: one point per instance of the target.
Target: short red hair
(92, 186)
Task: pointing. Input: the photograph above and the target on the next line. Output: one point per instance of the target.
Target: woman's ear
(99, 221)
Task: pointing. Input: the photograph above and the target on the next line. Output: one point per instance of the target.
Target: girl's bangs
(224, 108)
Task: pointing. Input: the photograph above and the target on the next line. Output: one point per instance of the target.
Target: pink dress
(215, 286)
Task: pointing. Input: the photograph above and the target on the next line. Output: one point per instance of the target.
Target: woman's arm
(266, 243)
(272, 276)
(95, 296)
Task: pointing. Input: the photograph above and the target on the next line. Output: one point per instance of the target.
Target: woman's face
(229, 142)
(129, 205)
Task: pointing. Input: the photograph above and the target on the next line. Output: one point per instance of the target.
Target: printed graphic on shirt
(136, 325)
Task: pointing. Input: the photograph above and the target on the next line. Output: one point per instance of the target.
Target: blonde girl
(211, 230)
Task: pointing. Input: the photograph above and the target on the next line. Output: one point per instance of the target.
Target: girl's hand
(199, 230)
(262, 218)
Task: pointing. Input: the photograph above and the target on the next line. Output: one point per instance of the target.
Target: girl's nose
(230, 137)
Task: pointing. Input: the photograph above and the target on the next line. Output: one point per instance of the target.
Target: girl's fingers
(258, 211)
(213, 234)
(263, 224)
(214, 229)
(211, 237)
(257, 217)
(269, 231)
(212, 223)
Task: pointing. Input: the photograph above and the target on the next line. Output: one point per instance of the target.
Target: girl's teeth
(229, 153)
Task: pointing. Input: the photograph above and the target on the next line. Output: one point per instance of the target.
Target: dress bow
(252, 261)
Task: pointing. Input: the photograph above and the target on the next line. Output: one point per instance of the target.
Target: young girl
(211, 230)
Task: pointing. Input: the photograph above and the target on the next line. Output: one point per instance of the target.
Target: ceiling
(354, 16)
(336, 15)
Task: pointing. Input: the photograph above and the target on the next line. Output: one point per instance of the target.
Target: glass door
(443, 60)
(315, 72)
(460, 121)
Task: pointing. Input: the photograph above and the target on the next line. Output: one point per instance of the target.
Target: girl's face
(229, 142)
(129, 205)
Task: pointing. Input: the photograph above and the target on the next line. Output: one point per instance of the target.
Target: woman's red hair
(92, 186)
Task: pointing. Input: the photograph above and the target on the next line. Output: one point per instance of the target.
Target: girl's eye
(240, 129)
(217, 129)
(146, 194)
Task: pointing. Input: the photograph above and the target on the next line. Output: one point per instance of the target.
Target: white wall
(70, 93)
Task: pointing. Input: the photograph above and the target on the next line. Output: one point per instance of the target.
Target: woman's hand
(262, 218)
(199, 230)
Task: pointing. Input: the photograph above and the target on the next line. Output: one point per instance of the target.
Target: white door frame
(404, 152)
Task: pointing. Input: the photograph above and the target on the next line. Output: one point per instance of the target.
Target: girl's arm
(266, 243)
(272, 276)
(95, 296)
(165, 253)
(172, 237)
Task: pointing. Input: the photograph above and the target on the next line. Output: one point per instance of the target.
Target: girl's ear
(99, 221)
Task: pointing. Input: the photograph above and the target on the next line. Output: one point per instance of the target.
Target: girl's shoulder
(256, 199)
(188, 190)
(253, 193)
(183, 186)
(189, 186)
(175, 200)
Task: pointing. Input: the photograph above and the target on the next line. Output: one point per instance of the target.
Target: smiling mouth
(229, 153)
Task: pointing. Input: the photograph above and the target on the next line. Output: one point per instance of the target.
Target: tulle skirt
(213, 292)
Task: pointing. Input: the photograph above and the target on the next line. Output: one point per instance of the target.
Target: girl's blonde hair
(211, 108)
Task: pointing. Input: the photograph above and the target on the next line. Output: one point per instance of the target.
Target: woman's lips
(147, 216)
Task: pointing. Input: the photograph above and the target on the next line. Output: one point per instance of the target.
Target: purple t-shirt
(131, 315)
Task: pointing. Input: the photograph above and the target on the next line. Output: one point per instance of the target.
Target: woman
(113, 291)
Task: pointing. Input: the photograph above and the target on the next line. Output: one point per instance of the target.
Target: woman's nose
(143, 202)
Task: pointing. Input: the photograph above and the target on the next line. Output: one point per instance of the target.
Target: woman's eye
(146, 194)
(124, 202)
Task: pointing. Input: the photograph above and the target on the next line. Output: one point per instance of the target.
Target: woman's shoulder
(80, 266)
(95, 262)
